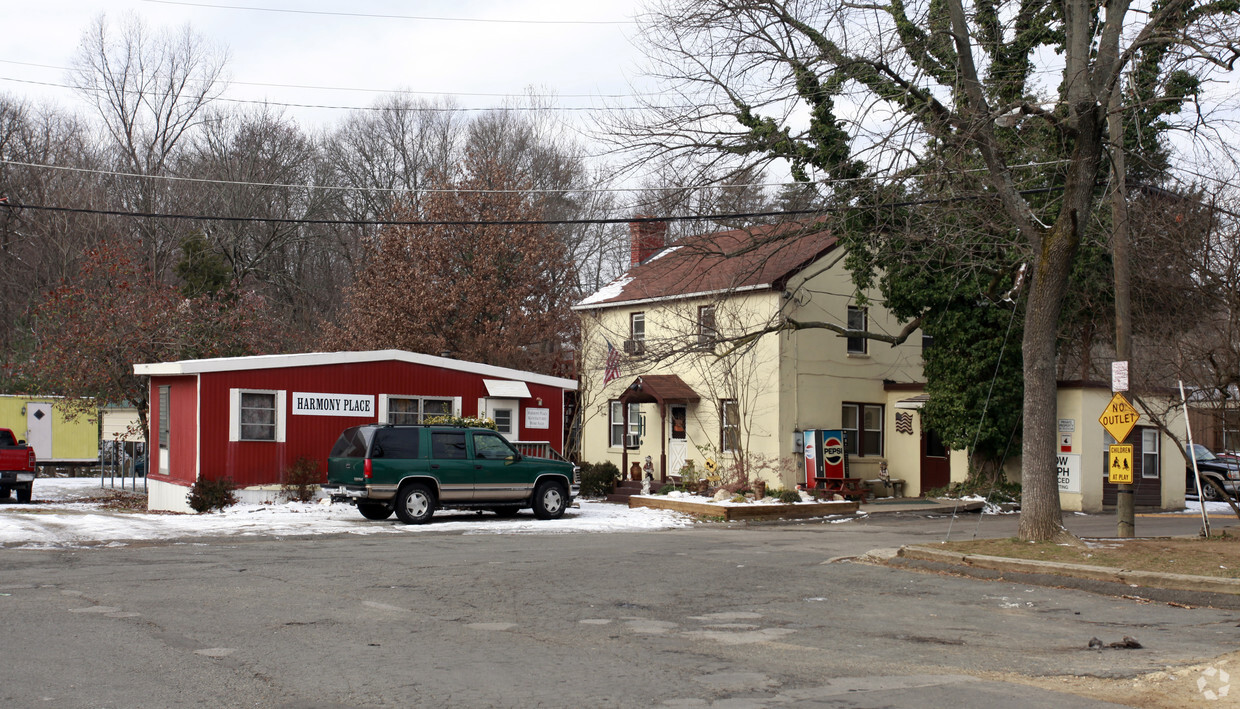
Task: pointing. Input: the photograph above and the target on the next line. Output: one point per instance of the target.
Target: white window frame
(726, 425)
(234, 414)
(165, 416)
(855, 436)
(858, 345)
(637, 333)
(615, 418)
(1148, 455)
(385, 407)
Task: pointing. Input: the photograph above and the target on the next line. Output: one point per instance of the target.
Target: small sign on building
(538, 418)
(1121, 464)
(1068, 469)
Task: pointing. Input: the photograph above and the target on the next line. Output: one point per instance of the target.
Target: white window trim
(635, 424)
(234, 413)
(385, 398)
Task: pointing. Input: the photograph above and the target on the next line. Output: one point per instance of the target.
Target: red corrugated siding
(182, 427)
(261, 463)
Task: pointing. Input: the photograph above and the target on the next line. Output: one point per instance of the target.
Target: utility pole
(1124, 504)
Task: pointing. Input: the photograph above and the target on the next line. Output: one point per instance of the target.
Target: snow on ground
(1193, 507)
(62, 516)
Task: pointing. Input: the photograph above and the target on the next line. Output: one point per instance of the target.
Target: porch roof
(658, 388)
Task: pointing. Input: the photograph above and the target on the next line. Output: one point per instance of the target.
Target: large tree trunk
(1041, 518)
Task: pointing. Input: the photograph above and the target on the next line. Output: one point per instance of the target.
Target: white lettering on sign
(357, 405)
(538, 418)
(1068, 469)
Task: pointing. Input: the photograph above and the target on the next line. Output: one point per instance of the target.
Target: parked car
(17, 467)
(1225, 471)
(414, 470)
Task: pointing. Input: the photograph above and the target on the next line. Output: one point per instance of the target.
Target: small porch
(673, 397)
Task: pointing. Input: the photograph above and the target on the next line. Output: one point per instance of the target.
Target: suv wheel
(1209, 491)
(374, 510)
(550, 499)
(415, 504)
(24, 494)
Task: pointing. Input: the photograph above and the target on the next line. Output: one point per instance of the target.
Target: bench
(892, 487)
(848, 488)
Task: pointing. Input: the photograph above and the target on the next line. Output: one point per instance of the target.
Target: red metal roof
(742, 259)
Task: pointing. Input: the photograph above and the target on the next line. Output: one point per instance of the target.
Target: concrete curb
(1144, 579)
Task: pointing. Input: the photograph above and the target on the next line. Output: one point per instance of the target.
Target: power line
(400, 190)
(359, 89)
(381, 108)
(367, 15)
(501, 222)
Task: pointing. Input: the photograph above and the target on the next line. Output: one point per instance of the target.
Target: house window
(165, 428)
(707, 334)
(857, 321)
(729, 426)
(416, 409)
(1149, 453)
(503, 420)
(617, 424)
(636, 344)
(863, 426)
(258, 416)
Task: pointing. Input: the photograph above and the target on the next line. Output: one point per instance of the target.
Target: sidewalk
(919, 506)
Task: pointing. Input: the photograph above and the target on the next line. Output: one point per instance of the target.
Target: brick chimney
(645, 239)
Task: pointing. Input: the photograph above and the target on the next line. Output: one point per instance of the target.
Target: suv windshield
(1201, 453)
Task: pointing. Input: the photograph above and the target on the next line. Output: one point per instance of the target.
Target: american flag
(612, 370)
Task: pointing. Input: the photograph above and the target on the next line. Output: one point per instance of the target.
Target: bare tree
(150, 89)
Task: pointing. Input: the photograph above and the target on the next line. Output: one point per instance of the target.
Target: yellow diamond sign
(1119, 417)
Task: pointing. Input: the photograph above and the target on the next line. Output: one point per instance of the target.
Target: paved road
(706, 617)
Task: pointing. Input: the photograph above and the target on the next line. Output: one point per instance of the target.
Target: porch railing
(537, 449)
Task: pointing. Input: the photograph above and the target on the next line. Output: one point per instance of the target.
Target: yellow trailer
(45, 423)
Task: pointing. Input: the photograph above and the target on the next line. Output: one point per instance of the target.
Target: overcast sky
(581, 53)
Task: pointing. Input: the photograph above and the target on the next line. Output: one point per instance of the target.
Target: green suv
(414, 470)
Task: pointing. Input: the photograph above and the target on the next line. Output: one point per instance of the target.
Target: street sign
(1121, 464)
(1119, 376)
(1119, 417)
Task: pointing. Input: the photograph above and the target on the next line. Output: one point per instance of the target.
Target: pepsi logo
(832, 451)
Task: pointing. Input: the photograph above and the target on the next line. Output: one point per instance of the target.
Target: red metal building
(249, 418)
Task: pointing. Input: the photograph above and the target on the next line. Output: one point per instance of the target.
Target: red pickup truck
(16, 467)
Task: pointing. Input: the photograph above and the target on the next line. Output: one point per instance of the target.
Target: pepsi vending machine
(824, 456)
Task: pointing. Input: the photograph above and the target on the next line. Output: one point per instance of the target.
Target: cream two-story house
(714, 350)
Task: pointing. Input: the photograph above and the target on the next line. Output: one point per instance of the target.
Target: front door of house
(936, 470)
(677, 440)
(504, 412)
